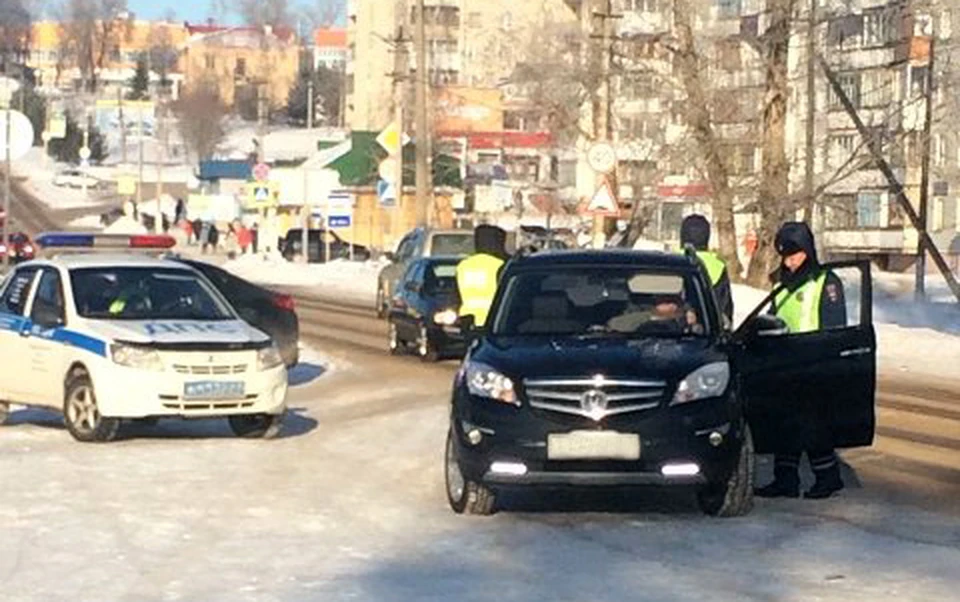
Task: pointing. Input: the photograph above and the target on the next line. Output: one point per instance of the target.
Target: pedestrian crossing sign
(262, 194)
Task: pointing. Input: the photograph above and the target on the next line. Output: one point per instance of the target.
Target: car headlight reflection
(269, 358)
(447, 317)
(484, 381)
(706, 381)
(134, 356)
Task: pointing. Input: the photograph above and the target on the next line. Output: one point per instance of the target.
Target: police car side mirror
(467, 325)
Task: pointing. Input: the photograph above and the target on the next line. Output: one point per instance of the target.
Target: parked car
(424, 309)
(614, 368)
(19, 247)
(417, 244)
(272, 313)
(75, 178)
(291, 246)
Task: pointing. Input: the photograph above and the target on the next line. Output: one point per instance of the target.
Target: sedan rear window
(577, 301)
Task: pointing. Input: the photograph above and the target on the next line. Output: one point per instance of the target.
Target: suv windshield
(132, 293)
(600, 301)
(452, 244)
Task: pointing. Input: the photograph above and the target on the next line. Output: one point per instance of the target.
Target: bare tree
(15, 19)
(200, 115)
(92, 29)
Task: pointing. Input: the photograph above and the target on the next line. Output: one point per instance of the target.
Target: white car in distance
(74, 178)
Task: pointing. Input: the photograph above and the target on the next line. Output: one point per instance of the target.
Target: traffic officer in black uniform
(695, 231)
(812, 299)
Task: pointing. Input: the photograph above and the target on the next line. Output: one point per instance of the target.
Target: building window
(850, 83)
(877, 88)
(642, 6)
(638, 86)
(729, 9)
(845, 32)
(741, 159)
(210, 61)
(868, 210)
(448, 16)
(878, 27)
(526, 169)
(918, 80)
(639, 127)
(728, 55)
(241, 68)
(841, 212)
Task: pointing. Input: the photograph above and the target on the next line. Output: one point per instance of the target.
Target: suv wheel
(394, 345)
(381, 302)
(256, 426)
(735, 497)
(464, 496)
(4, 411)
(81, 414)
(425, 348)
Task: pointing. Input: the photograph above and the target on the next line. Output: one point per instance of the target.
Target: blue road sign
(339, 221)
(387, 193)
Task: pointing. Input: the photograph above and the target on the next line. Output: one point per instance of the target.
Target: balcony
(868, 240)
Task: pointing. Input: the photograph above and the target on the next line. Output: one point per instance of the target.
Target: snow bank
(352, 280)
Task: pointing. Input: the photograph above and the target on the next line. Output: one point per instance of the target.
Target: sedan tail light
(284, 302)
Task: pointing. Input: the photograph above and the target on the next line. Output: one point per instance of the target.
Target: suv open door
(816, 389)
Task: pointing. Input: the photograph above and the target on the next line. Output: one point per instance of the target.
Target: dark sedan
(273, 313)
(318, 242)
(423, 311)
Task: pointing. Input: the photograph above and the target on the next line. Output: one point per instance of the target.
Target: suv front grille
(594, 398)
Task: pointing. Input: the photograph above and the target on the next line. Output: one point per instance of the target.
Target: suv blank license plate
(593, 445)
(213, 389)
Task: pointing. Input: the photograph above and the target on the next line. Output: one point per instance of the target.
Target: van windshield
(604, 301)
(452, 244)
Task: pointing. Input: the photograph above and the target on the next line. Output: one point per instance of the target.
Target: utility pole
(161, 150)
(920, 292)
(400, 77)
(424, 192)
(603, 113)
(310, 102)
(8, 169)
(123, 126)
(140, 155)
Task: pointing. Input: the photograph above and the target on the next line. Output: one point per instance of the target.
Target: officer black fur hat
(491, 240)
(695, 231)
(793, 237)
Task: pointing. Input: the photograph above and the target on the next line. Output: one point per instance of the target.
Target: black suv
(612, 368)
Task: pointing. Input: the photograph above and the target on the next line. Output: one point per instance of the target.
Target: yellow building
(234, 59)
(53, 51)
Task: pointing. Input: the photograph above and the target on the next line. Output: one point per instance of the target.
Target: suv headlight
(135, 356)
(706, 381)
(269, 358)
(484, 381)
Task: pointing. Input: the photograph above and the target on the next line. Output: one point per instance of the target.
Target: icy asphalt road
(349, 505)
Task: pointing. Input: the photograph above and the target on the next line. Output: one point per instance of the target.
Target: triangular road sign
(603, 200)
(261, 194)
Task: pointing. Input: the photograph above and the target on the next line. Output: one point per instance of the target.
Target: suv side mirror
(390, 257)
(765, 325)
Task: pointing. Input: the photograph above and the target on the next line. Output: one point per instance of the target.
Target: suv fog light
(716, 439)
(680, 470)
(474, 437)
(510, 468)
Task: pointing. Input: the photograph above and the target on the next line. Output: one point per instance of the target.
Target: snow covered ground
(350, 280)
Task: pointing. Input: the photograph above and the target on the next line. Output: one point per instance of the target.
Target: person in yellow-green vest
(478, 274)
(812, 299)
(695, 231)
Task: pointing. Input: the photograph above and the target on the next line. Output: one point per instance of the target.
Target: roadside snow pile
(87, 223)
(341, 278)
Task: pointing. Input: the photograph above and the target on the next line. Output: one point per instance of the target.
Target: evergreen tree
(34, 106)
(140, 84)
(327, 86)
(67, 149)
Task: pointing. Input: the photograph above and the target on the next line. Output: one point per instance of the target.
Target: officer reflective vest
(801, 308)
(714, 265)
(477, 282)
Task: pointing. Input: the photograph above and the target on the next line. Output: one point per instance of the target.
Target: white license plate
(208, 390)
(593, 445)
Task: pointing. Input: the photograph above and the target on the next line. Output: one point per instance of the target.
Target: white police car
(107, 338)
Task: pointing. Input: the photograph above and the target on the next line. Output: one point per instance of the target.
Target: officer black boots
(786, 477)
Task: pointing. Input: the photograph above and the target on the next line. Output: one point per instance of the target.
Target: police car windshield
(601, 302)
(141, 293)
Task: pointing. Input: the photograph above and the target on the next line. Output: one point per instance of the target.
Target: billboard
(136, 114)
(465, 109)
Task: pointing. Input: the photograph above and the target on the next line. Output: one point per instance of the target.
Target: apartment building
(330, 49)
(881, 54)
(241, 60)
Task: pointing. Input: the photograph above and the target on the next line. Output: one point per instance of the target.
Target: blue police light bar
(80, 240)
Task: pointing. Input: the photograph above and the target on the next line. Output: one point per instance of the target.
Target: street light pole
(8, 175)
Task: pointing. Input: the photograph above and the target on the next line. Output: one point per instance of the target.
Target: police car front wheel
(256, 426)
(81, 414)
